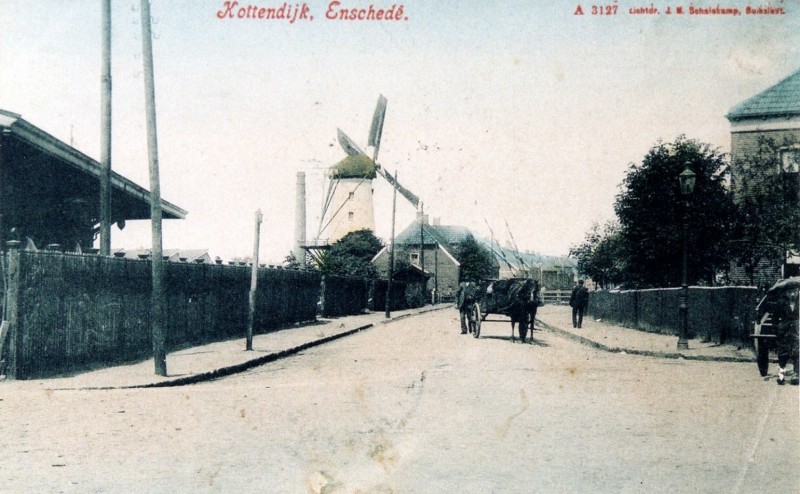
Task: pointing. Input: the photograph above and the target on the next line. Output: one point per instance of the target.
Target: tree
(352, 255)
(768, 214)
(600, 255)
(652, 211)
(476, 261)
(291, 262)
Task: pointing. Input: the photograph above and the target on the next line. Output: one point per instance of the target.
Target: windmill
(347, 203)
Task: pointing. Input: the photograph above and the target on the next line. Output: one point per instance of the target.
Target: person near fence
(578, 300)
(786, 336)
(465, 297)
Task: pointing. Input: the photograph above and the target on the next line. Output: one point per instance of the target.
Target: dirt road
(414, 406)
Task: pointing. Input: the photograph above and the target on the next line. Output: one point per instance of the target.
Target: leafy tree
(651, 213)
(768, 219)
(600, 255)
(476, 261)
(352, 255)
(291, 262)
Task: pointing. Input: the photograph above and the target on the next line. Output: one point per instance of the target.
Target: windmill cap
(359, 166)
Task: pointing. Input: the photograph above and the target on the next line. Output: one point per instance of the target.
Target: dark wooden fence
(68, 312)
(719, 314)
(344, 296)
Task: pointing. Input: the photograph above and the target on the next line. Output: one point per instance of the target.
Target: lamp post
(687, 181)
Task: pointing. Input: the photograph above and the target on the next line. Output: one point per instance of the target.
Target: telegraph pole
(158, 296)
(105, 135)
(253, 283)
(388, 313)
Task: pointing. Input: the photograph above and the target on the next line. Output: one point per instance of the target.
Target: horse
(523, 302)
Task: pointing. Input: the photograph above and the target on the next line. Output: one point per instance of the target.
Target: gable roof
(431, 234)
(780, 100)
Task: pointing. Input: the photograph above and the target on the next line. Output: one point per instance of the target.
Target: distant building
(430, 248)
(767, 126)
(50, 192)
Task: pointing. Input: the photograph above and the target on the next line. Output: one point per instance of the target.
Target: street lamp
(687, 181)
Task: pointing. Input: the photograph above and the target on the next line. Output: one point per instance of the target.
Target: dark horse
(523, 298)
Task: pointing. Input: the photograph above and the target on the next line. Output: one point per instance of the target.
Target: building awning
(28, 149)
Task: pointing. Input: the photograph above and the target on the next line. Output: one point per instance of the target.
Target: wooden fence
(719, 314)
(556, 297)
(346, 296)
(69, 312)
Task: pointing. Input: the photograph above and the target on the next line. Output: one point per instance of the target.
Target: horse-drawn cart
(517, 298)
(782, 300)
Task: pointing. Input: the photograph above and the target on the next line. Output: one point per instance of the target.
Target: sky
(517, 112)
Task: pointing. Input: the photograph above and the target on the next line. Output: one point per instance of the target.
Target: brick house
(433, 248)
(765, 131)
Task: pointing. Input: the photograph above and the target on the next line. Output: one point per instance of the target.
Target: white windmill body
(350, 206)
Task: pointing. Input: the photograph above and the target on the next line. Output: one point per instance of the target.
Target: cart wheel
(762, 355)
(475, 321)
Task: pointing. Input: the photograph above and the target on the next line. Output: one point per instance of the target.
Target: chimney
(300, 220)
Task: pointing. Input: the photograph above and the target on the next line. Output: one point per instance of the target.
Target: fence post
(371, 297)
(322, 296)
(11, 319)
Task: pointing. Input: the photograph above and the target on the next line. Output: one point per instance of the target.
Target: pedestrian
(578, 300)
(465, 298)
(786, 319)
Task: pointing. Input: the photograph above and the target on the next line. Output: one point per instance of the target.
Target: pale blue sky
(515, 111)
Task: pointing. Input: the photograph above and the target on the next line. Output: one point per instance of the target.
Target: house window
(350, 216)
(351, 195)
(790, 160)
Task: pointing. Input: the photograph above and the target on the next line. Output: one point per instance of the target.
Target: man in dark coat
(786, 334)
(465, 298)
(578, 300)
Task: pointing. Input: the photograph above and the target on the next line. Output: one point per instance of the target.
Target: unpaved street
(413, 406)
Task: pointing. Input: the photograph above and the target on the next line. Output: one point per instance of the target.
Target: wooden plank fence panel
(84, 310)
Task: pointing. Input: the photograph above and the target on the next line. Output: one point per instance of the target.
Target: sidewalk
(611, 338)
(214, 360)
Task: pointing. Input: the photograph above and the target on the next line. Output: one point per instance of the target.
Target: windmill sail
(349, 146)
(410, 196)
(376, 129)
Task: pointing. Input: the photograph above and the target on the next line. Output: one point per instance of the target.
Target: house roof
(135, 197)
(447, 235)
(782, 99)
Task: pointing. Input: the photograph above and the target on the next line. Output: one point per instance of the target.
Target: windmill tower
(351, 192)
(348, 205)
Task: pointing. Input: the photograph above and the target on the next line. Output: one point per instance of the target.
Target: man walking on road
(578, 300)
(465, 298)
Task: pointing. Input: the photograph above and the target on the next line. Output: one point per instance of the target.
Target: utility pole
(253, 283)
(436, 273)
(158, 296)
(422, 239)
(388, 312)
(105, 135)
